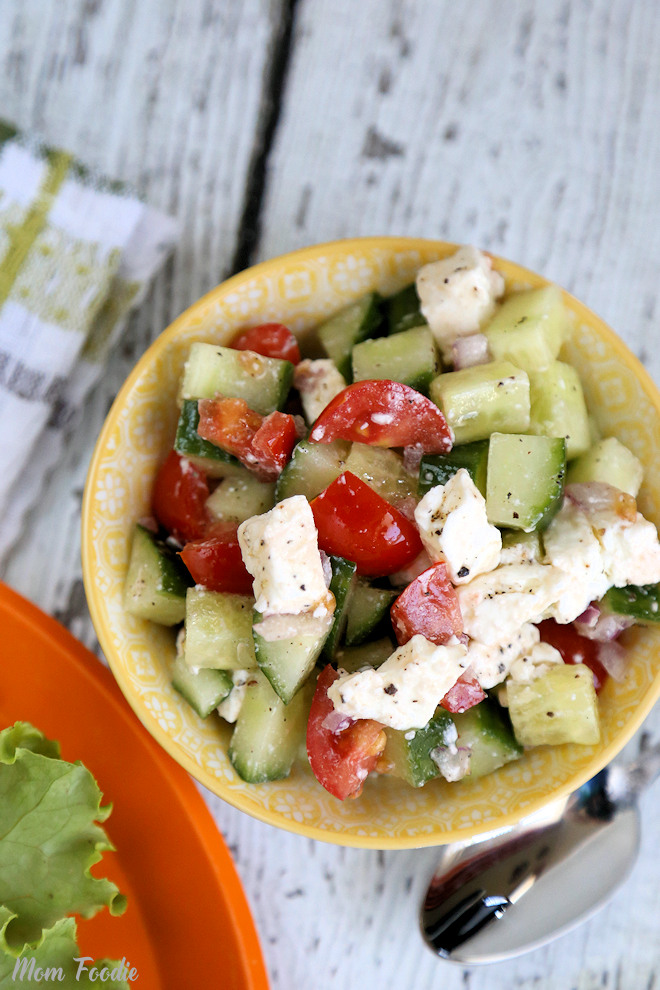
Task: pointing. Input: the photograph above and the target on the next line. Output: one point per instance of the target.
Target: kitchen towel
(77, 253)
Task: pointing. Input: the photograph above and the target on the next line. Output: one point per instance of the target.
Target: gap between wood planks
(274, 83)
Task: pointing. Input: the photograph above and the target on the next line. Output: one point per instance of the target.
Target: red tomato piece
(216, 561)
(353, 521)
(428, 607)
(262, 443)
(384, 414)
(274, 441)
(574, 648)
(179, 497)
(270, 339)
(466, 692)
(341, 761)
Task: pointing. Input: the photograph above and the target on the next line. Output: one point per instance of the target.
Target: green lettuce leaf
(49, 839)
(56, 950)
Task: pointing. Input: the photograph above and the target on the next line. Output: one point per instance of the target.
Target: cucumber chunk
(640, 602)
(214, 461)
(525, 483)
(558, 707)
(219, 630)
(486, 730)
(156, 581)
(438, 469)
(529, 328)
(202, 689)
(373, 654)
(313, 466)
(287, 663)
(608, 460)
(558, 408)
(342, 332)
(342, 586)
(402, 310)
(382, 469)
(212, 370)
(409, 357)
(368, 607)
(409, 753)
(268, 734)
(519, 547)
(240, 498)
(476, 401)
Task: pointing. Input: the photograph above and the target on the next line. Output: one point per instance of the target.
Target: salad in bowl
(389, 552)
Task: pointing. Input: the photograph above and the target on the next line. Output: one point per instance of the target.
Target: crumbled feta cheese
(494, 606)
(534, 663)
(280, 550)
(457, 295)
(491, 662)
(631, 551)
(571, 546)
(318, 382)
(403, 692)
(230, 707)
(454, 527)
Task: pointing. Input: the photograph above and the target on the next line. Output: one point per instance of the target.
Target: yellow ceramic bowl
(300, 289)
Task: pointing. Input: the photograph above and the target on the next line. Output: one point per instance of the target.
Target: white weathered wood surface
(527, 128)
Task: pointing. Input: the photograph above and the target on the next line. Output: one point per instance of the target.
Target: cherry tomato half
(384, 414)
(341, 761)
(179, 497)
(270, 339)
(574, 648)
(428, 607)
(466, 692)
(263, 443)
(356, 523)
(216, 562)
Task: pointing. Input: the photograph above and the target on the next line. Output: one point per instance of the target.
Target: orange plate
(188, 923)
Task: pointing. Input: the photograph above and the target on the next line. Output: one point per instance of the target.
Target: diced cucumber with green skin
(189, 444)
(486, 730)
(558, 408)
(409, 753)
(529, 545)
(287, 663)
(610, 461)
(409, 357)
(382, 469)
(438, 469)
(156, 581)
(558, 707)
(529, 328)
(373, 654)
(203, 689)
(402, 310)
(525, 483)
(219, 630)
(640, 602)
(268, 734)
(342, 332)
(240, 498)
(368, 607)
(212, 371)
(313, 466)
(476, 401)
(342, 586)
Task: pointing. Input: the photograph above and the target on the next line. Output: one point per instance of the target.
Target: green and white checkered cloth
(76, 254)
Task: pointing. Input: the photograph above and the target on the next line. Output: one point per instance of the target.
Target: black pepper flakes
(390, 689)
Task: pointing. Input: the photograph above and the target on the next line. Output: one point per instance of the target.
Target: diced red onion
(301, 426)
(412, 457)
(601, 626)
(148, 522)
(407, 507)
(420, 564)
(598, 496)
(469, 351)
(336, 722)
(327, 568)
(614, 659)
(588, 619)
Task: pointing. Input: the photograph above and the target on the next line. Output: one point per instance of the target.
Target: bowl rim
(238, 800)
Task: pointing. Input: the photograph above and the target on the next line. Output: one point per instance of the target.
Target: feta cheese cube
(454, 527)
(404, 692)
(457, 295)
(491, 662)
(280, 550)
(230, 707)
(534, 663)
(571, 546)
(630, 548)
(318, 382)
